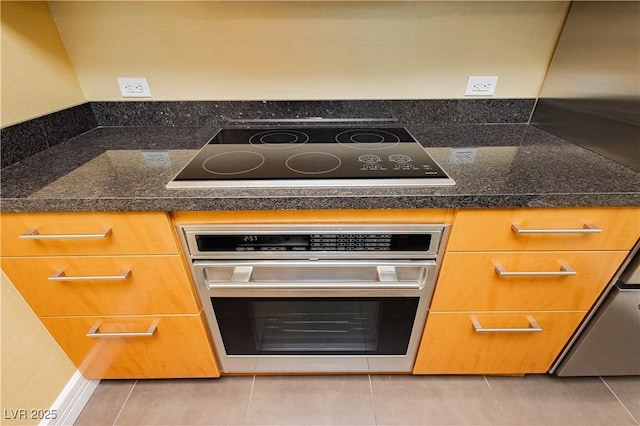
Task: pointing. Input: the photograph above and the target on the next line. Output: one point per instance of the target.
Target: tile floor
(367, 400)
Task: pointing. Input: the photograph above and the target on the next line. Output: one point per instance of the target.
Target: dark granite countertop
(126, 169)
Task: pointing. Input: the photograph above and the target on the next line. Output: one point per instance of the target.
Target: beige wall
(34, 368)
(269, 50)
(37, 76)
(309, 50)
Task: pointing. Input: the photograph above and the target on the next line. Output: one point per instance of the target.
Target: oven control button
(403, 162)
(369, 158)
(369, 166)
(404, 166)
(371, 162)
(400, 158)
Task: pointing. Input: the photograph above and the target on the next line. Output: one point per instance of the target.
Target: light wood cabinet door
(545, 229)
(178, 346)
(61, 234)
(451, 345)
(528, 281)
(115, 285)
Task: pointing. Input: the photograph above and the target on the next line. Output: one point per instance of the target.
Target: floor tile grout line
(373, 401)
(125, 403)
(619, 400)
(246, 414)
(496, 400)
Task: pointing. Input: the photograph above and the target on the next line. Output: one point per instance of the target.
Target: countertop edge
(323, 203)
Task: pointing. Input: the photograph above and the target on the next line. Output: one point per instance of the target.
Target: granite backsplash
(22, 140)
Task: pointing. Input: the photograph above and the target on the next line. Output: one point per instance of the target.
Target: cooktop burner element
(233, 163)
(367, 138)
(313, 163)
(278, 138)
(311, 157)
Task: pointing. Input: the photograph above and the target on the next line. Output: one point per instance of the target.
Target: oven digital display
(313, 242)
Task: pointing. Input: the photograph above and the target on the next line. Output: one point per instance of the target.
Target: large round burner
(367, 139)
(233, 162)
(277, 139)
(313, 163)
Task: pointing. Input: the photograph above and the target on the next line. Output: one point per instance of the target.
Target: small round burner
(367, 139)
(278, 139)
(313, 163)
(233, 162)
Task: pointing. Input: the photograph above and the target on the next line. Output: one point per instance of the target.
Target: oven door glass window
(315, 326)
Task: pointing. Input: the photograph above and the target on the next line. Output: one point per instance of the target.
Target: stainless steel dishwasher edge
(609, 344)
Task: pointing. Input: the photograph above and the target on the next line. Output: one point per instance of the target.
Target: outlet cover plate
(463, 155)
(134, 87)
(481, 86)
(156, 158)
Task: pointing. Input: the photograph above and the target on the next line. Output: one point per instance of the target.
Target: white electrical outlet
(156, 158)
(134, 87)
(481, 85)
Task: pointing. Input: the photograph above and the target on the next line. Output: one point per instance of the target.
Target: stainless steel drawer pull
(34, 234)
(94, 332)
(533, 327)
(60, 276)
(565, 271)
(587, 228)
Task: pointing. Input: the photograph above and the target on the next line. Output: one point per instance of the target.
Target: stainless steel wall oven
(313, 298)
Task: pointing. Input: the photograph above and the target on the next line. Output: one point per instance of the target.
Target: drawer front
(545, 229)
(546, 281)
(509, 343)
(130, 347)
(41, 234)
(86, 285)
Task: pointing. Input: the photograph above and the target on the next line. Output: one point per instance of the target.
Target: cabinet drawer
(41, 234)
(129, 347)
(451, 344)
(86, 285)
(529, 281)
(545, 229)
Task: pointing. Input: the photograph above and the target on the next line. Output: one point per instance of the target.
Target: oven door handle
(304, 285)
(241, 278)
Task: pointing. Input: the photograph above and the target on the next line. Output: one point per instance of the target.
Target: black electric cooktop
(310, 157)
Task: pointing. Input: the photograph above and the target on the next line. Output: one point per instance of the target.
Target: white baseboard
(69, 404)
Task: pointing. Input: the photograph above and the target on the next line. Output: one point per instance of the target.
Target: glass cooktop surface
(310, 157)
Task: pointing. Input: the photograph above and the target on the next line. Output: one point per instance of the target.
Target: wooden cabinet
(140, 347)
(115, 291)
(515, 284)
(42, 234)
(545, 229)
(520, 281)
(514, 346)
(119, 272)
(91, 285)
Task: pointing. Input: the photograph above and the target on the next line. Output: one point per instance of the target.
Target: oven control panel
(313, 242)
(342, 242)
(239, 241)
